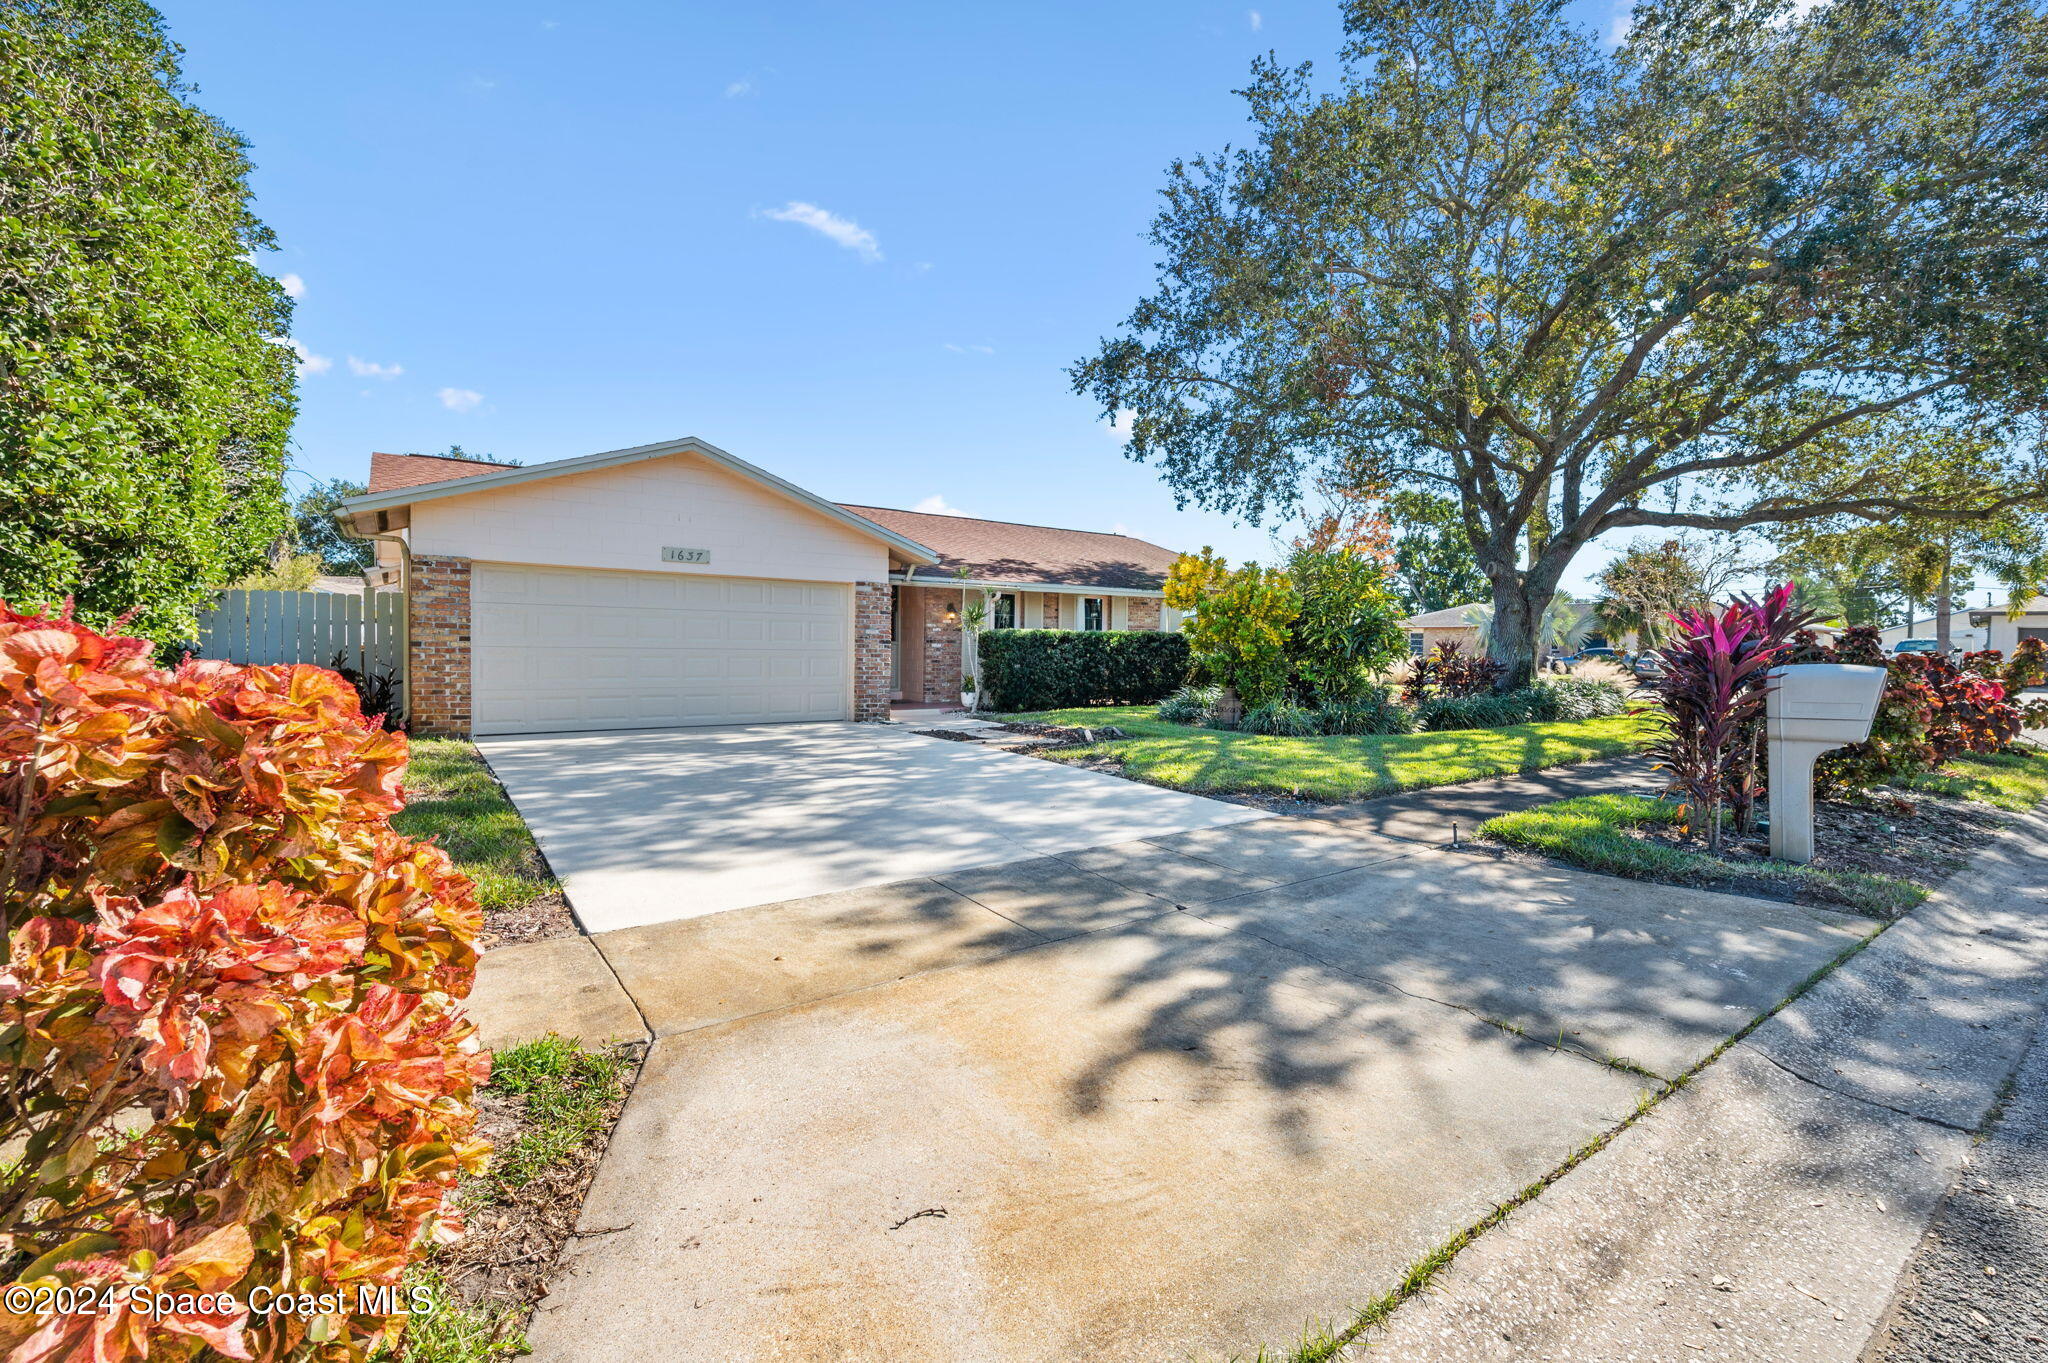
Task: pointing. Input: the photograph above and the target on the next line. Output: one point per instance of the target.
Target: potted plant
(970, 698)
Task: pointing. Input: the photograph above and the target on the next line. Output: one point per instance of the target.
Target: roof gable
(506, 476)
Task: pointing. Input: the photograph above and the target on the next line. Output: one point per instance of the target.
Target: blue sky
(855, 244)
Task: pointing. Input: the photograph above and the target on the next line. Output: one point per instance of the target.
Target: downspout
(348, 528)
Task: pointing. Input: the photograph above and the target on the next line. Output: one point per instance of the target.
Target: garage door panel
(557, 649)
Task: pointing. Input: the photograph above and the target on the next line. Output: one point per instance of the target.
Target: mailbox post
(1811, 708)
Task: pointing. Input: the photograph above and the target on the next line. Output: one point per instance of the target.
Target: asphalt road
(1977, 1288)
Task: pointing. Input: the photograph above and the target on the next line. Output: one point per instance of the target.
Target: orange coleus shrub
(231, 1069)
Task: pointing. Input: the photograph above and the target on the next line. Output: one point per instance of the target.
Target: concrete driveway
(1173, 1097)
(648, 826)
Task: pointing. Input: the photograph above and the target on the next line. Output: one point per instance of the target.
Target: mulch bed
(545, 917)
(512, 1241)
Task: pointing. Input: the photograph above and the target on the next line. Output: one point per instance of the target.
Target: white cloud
(739, 89)
(1120, 425)
(845, 231)
(937, 505)
(1258, 20)
(1119, 529)
(460, 399)
(971, 349)
(370, 369)
(309, 363)
(293, 286)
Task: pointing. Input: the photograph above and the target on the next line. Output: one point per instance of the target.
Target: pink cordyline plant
(1716, 671)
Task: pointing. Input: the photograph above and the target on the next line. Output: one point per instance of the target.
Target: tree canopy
(315, 531)
(145, 399)
(1689, 283)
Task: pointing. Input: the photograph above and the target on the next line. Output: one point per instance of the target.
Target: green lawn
(1348, 768)
(2016, 779)
(452, 797)
(1591, 831)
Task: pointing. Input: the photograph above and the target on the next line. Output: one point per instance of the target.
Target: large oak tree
(1691, 282)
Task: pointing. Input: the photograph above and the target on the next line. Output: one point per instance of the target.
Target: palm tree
(1566, 623)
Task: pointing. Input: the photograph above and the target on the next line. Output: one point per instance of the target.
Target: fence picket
(304, 627)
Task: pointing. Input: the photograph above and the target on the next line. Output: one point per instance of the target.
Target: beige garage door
(555, 649)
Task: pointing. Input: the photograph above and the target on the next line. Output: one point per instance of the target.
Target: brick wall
(1051, 618)
(872, 646)
(941, 647)
(1143, 612)
(437, 637)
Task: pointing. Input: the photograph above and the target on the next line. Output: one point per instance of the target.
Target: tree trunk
(1516, 618)
(1942, 602)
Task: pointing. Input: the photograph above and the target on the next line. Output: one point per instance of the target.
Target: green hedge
(1051, 669)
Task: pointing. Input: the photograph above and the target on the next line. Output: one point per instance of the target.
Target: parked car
(1587, 654)
(1916, 646)
(1646, 667)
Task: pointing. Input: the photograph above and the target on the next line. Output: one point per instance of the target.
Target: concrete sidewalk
(1764, 1213)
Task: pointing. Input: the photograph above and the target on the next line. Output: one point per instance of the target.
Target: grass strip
(567, 1096)
(1348, 767)
(2016, 779)
(452, 797)
(1592, 831)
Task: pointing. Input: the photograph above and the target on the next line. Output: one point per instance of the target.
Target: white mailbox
(1811, 707)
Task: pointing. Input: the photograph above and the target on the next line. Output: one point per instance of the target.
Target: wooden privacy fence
(306, 627)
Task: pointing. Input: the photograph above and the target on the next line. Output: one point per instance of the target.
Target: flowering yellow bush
(234, 1070)
(1239, 629)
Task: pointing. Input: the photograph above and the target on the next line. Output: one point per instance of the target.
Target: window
(1006, 610)
(1091, 612)
(1417, 644)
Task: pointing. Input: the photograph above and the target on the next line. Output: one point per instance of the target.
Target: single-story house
(1457, 625)
(1451, 625)
(675, 584)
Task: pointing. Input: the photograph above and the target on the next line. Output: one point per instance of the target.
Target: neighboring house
(1451, 625)
(674, 584)
(1455, 625)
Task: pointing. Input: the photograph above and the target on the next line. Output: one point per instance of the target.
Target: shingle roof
(1005, 551)
(392, 471)
(1450, 617)
(992, 551)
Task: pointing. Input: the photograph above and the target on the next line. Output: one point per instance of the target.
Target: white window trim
(1016, 600)
(1101, 613)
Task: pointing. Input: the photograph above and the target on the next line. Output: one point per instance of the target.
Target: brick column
(1049, 611)
(941, 651)
(437, 639)
(1142, 613)
(872, 644)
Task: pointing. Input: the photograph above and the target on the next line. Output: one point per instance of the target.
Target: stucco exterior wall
(623, 518)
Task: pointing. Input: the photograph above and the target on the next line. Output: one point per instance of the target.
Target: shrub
(1583, 698)
(1373, 712)
(1460, 674)
(1281, 719)
(1189, 705)
(215, 937)
(1051, 669)
(1932, 710)
(1715, 669)
(1490, 711)
(2027, 667)
(1240, 625)
(1349, 626)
